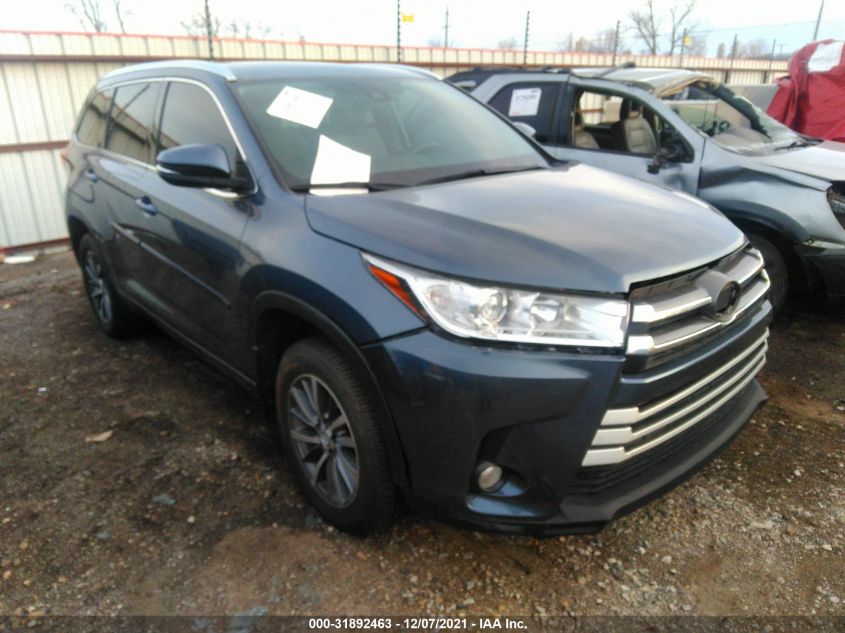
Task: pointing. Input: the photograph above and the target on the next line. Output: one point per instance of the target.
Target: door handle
(91, 175)
(146, 205)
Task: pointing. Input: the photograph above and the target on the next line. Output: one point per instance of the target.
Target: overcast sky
(473, 23)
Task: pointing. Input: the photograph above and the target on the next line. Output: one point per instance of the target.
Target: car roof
(657, 80)
(235, 71)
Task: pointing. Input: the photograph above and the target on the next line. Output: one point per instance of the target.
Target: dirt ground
(184, 506)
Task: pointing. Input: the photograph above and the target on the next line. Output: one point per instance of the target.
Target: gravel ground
(136, 480)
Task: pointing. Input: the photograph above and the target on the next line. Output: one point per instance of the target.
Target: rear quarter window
(94, 118)
(131, 121)
(531, 103)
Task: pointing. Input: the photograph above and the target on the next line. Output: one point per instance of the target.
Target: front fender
(271, 300)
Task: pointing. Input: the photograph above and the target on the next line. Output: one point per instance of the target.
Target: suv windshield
(732, 121)
(379, 133)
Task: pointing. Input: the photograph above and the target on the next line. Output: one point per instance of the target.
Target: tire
(113, 315)
(776, 267)
(343, 467)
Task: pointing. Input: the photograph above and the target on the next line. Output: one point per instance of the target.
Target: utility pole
(525, 43)
(208, 30)
(446, 29)
(615, 44)
(771, 62)
(683, 46)
(734, 47)
(818, 22)
(398, 31)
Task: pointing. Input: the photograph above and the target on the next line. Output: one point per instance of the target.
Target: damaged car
(684, 130)
(431, 306)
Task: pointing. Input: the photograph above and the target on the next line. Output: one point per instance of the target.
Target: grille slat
(677, 317)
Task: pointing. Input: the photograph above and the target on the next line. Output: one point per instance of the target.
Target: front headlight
(494, 313)
(837, 204)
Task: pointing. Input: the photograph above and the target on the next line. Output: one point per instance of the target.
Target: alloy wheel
(323, 440)
(95, 284)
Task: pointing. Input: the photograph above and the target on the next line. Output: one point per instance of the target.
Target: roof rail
(511, 69)
(613, 69)
(184, 64)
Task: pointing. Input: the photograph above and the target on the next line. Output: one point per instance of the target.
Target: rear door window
(131, 121)
(531, 103)
(92, 125)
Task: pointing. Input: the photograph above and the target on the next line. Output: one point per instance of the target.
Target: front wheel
(776, 267)
(332, 438)
(113, 315)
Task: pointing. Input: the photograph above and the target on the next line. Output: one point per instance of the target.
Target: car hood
(825, 160)
(573, 227)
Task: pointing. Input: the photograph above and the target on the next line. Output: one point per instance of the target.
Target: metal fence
(44, 78)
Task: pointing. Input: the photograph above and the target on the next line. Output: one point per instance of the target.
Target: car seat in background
(581, 137)
(632, 133)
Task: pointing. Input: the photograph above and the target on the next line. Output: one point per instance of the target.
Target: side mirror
(672, 154)
(202, 166)
(526, 129)
(658, 161)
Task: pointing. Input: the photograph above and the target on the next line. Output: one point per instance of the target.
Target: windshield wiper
(477, 173)
(369, 186)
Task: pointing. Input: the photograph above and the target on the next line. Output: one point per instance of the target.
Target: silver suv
(682, 129)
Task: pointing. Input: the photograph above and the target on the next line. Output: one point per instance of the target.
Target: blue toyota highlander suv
(430, 305)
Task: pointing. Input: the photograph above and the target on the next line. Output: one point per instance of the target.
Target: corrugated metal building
(45, 77)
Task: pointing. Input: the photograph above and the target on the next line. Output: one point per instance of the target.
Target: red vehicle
(811, 98)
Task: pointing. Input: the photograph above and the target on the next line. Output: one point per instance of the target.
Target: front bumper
(536, 412)
(829, 264)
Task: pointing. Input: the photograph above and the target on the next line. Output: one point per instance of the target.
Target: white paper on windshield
(525, 102)
(300, 106)
(825, 57)
(336, 163)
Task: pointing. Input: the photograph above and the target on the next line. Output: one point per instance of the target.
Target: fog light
(489, 476)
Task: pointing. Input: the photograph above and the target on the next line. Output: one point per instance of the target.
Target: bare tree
(755, 49)
(120, 14)
(88, 13)
(248, 30)
(604, 41)
(566, 44)
(697, 46)
(198, 25)
(507, 44)
(681, 25)
(648, 25)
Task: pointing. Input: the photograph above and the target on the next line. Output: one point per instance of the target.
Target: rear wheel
(776, 267)
(332, 438)
(114, 316)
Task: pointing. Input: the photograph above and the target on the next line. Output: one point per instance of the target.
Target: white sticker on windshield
(525, 102)
(300, 106)
(825, 57)
(336, 164)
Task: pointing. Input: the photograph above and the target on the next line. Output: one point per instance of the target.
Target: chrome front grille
(676, 328)
(628, 432)
(675, 314)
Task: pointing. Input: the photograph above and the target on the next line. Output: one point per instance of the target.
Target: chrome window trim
(215, 192)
